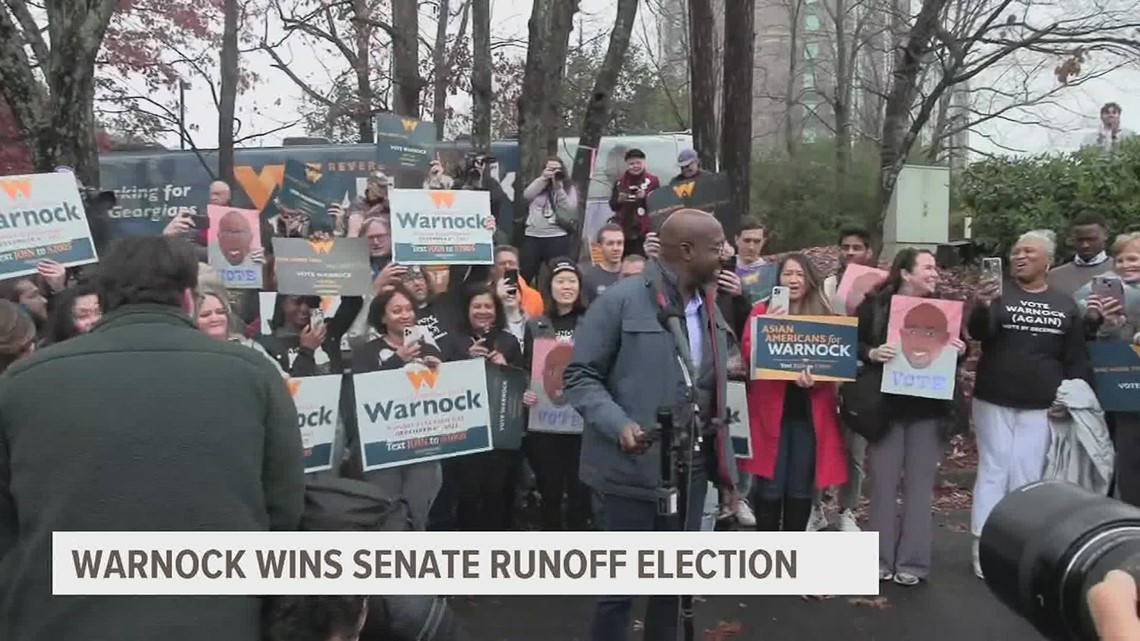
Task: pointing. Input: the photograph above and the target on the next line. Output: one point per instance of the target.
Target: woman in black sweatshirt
(304, 348)
(554, 455)
(483, 480)
(1032, 339)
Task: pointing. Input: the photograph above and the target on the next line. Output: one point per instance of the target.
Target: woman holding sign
(910, 445)
(796, 440)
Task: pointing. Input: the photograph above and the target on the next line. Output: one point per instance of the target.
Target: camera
(559, 175)
(1045, 544)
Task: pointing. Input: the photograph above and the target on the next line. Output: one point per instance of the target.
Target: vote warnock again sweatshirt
(1030, 343)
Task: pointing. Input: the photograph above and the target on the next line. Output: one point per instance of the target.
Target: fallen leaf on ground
(957, 527)
(724, 630)
(878, 603)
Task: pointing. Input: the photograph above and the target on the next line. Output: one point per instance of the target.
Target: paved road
(953, 606)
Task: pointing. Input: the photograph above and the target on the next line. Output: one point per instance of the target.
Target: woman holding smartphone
(552, 197)
(796, 442)
(302, 340)
(400, 342)
(1107, 320)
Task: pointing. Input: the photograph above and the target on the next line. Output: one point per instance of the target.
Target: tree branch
(309, 91)
(32, 34)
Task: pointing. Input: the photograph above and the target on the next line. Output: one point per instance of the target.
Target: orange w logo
(294, 385)
(312, 171)
(321, 246)
(442, 199)
(259, 185)
(422, 377)
(15, 188)
(409, 124)
(684, 190)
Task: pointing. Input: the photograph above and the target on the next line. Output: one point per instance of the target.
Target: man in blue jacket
(627, 365)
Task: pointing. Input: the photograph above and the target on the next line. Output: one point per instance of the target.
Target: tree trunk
(736, 117)
(791, 96)
(228, 92)
(406, 59)
(841, 104)
(702, 82)
(481, 78)
(364, 94)
(442, 72)
(900, 101)
(549, 36)
(598, 110)
(558, 39)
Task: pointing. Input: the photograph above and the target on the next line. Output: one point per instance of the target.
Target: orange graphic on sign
(259, 186)
(16, 188)
(422, 377)
(409, 124)
(443, 199)
(684, 190)
(321, 246)
(294, 385)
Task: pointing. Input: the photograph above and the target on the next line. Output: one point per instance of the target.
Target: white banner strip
(468, 563)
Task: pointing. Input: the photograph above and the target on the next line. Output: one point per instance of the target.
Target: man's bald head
(691, 242)
(219, 193)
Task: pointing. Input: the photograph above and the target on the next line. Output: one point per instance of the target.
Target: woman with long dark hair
(74, 311)
(304, 347)
(552, 197)
(796, 442)
(483, 481)
(912, 443)
(554, 456)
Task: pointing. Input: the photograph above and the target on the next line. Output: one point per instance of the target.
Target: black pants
(1127, 438)
(634, 246)
(554, 459)
(441, 517)
(484, 487)
(537, 251)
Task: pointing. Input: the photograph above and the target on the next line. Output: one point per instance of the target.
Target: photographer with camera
(478, 174)
(627, 200)
(654, 342)
(550, 219)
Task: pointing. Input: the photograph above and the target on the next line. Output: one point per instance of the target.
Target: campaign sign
(322, 268)
(758, 282)
(403, 142)
(42, 218)
(1116, 368)
(267, 305)
(233, 241)
(857, 281)
(738, 426)
(318, 409)
(434, 226)
(925, 364)
(417, 413)
(552, 413)
(505, 389)
(783, 346)
(305, 190)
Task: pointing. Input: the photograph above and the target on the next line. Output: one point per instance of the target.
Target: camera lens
(1046, 544)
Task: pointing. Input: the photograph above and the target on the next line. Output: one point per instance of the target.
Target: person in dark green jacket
(142, 424)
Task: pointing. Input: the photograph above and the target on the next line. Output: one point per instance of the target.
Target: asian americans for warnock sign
(783, 346)
(42, 218)
(432, 226)
(419, 414)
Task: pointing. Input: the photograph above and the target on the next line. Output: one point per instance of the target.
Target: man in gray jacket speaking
(627, 364)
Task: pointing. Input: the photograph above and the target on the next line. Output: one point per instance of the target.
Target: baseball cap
(687, 157)
(559, 265)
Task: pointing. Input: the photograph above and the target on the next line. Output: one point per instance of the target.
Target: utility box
(919, 213)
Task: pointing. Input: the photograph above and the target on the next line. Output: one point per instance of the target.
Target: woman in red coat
(797, 445)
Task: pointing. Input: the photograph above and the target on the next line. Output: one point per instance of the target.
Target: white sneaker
(744, 514)
(818, 520)
(847, 522)
(977, 559)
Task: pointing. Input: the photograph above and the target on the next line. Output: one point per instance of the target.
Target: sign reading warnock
(318, 409)
(432, 227)
(403, 142)
(42, 218)
(784, 346)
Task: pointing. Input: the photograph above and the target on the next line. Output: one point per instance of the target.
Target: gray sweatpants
(907, 455)
(417, 483)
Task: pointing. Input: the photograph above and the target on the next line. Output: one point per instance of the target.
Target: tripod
(677, 449)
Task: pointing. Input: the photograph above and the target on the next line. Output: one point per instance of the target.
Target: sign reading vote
(553, 412)
(42, 218)
(318, 409)
(322, 268)
(403, 142)
(925, 364)
(1116, 368)
(419, 413)
(784, 346)
(234, 245)
(432, 226)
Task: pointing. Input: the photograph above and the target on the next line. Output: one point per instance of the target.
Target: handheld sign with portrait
(1116, 368)
(784, 346)
(403, 142)
(419, 414)
(318, 409)
(433, 226)
(42, 218)
(857, 281)
(925, 364)
(322, 268)
(552, 413)
(234, 241)
(739, 429)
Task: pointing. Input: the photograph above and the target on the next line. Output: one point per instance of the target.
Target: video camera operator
(477, 174)
(635, 352)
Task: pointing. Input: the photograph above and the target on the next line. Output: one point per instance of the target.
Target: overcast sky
(1071, 115)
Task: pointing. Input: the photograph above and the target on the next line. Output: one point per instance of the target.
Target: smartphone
(991, 270)
(411, 334)
(412, 273)
(781, 298)
(316, 317)
(511, 276)
(728, 264)
(1106, 287)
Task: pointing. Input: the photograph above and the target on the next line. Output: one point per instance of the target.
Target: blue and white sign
(435, 226)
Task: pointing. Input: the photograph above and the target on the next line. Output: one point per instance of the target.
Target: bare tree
(736, 119)
(444, 61)
(406, 59)
(702, 80)
(229, 89)
(481, 75)
(598, 109)
(52, 98)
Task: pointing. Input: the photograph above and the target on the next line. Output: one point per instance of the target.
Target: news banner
(478, 563)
